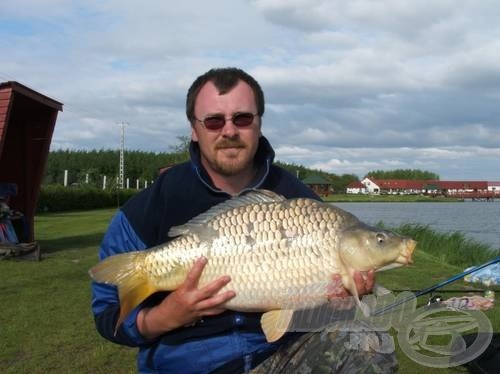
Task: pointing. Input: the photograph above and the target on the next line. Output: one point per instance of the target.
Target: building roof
(462, 185)
(405, 184)
(32, 94)
(356, 184)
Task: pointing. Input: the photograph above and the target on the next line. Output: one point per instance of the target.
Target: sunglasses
(217, 121)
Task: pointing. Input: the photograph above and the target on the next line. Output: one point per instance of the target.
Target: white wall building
(371, 186)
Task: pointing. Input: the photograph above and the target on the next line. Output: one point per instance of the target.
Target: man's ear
(194, 136)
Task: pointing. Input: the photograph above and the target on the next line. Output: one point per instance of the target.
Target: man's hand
(339, 295)
(186, 304)
(364, 282)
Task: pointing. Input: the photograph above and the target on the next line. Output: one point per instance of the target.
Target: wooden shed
(318, 184)
(27, 120)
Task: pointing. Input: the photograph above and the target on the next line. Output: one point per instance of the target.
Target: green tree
(411, 174)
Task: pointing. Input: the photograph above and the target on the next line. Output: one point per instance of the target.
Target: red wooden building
(27, 120)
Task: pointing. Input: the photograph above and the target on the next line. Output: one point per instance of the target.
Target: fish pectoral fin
(275, 323)
(350, 285)
(393, 265)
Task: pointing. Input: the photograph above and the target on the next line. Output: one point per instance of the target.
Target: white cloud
(351, 86)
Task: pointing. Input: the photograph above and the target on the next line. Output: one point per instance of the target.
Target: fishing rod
(435, 287)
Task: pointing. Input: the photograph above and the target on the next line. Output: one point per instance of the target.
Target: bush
(57, 198)
(452, 248)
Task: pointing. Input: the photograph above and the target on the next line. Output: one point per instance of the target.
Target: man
(189, 330)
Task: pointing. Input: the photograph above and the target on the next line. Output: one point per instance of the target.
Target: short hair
(224, 80)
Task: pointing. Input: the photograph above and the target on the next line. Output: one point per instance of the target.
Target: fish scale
(277, 252)
(227, 250)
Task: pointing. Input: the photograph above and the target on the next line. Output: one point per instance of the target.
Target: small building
(393, 186)
(356, 187)
(318, 184)
(461, 187)
(371, 185)
(27, 120)
(494, 187)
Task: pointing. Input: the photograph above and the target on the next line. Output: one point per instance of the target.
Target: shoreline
(358, 198)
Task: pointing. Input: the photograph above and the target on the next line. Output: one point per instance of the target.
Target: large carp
(272, 248)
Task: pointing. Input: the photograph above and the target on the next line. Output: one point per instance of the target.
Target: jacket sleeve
(119, 238)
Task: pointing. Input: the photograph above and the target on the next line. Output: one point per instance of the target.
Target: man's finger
(360, 283)
(215, 301)
(213, 287)
(335, 288)
(213, 312)
(193, 277)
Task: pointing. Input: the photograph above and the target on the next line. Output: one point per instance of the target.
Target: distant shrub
(57, 198)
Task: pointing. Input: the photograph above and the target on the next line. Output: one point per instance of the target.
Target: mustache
(229, 143)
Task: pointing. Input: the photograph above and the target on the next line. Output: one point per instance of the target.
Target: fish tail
(133, 284)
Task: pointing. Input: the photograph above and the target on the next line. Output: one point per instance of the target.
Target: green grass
(45, 317)
(46, 323)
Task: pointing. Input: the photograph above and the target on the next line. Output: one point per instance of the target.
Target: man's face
(230, 150)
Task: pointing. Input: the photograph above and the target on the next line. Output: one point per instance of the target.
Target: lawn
(45, 317)
(46, 323)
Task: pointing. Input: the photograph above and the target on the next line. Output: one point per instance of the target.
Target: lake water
(479, 221)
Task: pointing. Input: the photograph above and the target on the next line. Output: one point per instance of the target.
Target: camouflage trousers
(333, 351)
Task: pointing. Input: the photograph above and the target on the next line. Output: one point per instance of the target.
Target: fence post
(65, 178)
(104, 182)
(128, 184)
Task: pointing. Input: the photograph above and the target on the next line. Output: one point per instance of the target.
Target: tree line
(94, 164)
(411, 174)
(84, 165)
(98, 163)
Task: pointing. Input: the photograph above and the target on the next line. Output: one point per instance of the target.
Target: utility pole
(121, 175)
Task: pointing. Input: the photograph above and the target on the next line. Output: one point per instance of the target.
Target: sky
(350, 86)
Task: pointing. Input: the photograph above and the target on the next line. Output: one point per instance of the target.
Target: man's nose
(230, 129)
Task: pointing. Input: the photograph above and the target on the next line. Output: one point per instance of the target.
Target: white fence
(106, 183)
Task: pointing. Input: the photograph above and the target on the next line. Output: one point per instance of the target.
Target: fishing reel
(434, 299)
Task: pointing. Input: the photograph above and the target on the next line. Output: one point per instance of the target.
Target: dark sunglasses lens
(214, 123)
(243, 119)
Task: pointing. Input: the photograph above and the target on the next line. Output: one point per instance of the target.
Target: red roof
(403, 184)
(356, 184)
(462, 185)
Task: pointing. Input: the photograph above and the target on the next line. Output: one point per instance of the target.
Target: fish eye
(380, 238)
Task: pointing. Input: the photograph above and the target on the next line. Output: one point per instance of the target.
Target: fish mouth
(405, 256)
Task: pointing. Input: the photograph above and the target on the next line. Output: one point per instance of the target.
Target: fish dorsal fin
(246, 198)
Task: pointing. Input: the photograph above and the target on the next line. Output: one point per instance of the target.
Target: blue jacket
(229, 342)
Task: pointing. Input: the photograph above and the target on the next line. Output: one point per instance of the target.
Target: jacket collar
(263, 160)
